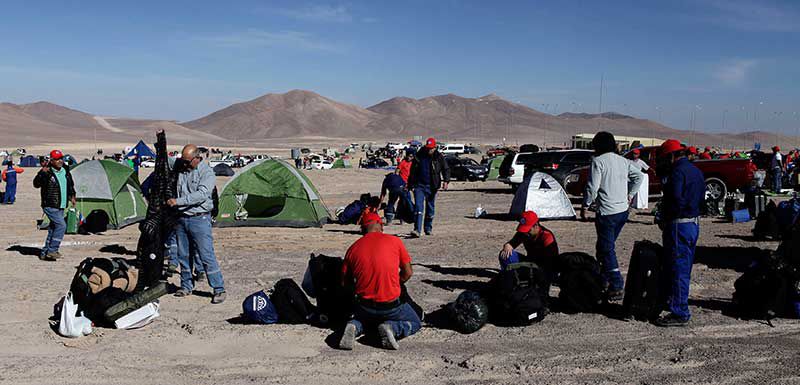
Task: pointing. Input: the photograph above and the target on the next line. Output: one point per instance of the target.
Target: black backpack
(763, 291)
(291, 303)
(334, 302)
(580, 283)
(117, 268)
(644, 296)
(767, 226)
(518, 295)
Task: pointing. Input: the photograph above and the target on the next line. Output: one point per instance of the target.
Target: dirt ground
(194, 342)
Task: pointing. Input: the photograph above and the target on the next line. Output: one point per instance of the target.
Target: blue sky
(183, 59)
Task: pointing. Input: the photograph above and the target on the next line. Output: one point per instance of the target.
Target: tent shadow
(732, 258)
(746, 238)
(352, 232)
(472, 271)
(488, 190)
(504, 217)
(117, 249)
(25, 250)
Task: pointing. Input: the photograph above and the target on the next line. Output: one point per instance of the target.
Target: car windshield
(469, 162)
(539, 158)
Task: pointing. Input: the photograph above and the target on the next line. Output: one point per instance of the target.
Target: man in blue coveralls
(684, 193)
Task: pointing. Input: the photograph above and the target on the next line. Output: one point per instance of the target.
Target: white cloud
(319, 13)
(735, 72)
(254, 38)
(749, 15)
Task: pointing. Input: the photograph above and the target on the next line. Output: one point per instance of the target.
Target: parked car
(471, 150)
(722, 175)
(227, 159)
(558, 164)
(466, 169)
(453, 149)
(322, 164)
(150, 163)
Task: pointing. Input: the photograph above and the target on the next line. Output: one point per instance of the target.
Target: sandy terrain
(194, 342)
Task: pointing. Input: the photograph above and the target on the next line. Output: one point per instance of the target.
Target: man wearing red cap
(684, 193)
(377, 264)
(777, 169)
(706, 155)
(539, 242)
(56, 188)
(429, 171)
(691, 153)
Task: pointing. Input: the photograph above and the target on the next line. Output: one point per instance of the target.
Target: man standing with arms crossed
(684, 193)
(429, 170)
(56, 188)
(196, 182)
(613, 182)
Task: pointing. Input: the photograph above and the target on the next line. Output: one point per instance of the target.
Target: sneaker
(218, 298)
(671, 320)
(183, 293)
(386, 335)
(47, 257)
(615, 295)
(348, 337)
(54, 254)
(415, 234)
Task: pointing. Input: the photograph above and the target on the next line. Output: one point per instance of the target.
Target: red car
(722, 175)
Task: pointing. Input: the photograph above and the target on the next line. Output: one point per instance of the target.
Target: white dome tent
(544, 195)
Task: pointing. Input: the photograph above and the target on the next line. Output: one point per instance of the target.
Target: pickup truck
(722, 175)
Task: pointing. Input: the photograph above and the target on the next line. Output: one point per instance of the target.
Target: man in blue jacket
(429, 172)
(394, 186)
(684, 193)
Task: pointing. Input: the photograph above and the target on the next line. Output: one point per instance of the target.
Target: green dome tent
(270, 193)
(342, 163)
(494, 167)
(111, 187)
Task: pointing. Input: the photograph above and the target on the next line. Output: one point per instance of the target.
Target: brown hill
(60, 115)
(293, 114)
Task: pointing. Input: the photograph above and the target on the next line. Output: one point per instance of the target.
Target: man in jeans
(56, 188)
(196, 182)
(377, 264)
(613, 182)
(395, 187)
(776, 164)
(429, 171)
(684, 193)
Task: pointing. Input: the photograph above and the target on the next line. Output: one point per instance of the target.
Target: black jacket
(49, 188)
(440, 171)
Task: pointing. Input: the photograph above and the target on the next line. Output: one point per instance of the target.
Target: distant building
(584, 141)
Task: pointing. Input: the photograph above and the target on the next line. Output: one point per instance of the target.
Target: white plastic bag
(138, 318)
(71, 325)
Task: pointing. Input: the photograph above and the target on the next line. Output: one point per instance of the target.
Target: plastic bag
(72, 325)
(138, 318)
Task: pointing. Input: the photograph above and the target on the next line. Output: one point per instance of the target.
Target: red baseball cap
(637, 151)
(776, 148)
(693, 150)
(669, 146)
(430, 143)
(56, 154)
(529, 219)
(370, 218)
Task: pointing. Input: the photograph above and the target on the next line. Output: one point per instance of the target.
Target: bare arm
(405, 272)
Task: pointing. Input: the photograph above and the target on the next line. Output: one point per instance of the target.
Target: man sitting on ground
(539, 242)
(372, 264)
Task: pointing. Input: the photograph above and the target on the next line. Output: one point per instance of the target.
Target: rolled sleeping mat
(138, 300)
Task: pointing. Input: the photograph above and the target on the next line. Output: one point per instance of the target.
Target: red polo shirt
(374, 263)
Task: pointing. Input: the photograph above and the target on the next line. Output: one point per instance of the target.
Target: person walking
(10, 177)
(641, 200)
(684, 193)
(613, 181)
(377, 264)
(429, 172)
(56, 188)
(404, 167)
(196, 182)
(777, 167)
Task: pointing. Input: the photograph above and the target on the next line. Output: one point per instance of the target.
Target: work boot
(54, 254)
(386, 335)
(671, 320)
(183, 293)
(348, 340)
(218, 298)
(615, 295)
(47, 257)
(414, 234)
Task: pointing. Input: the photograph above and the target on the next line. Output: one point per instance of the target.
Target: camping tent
(543, 195)
(271, 193)
(342, 163)
(111, 187)
(141, 149)
(494, 167)
(29, 161)
(223, 169)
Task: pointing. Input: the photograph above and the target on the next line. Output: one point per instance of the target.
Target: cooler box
(740, 216)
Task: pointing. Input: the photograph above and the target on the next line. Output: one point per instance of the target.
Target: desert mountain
(295, 113)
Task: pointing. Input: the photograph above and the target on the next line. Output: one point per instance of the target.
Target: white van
(453, 149)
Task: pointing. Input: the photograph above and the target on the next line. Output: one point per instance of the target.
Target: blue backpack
(258, 308)
(787, 213)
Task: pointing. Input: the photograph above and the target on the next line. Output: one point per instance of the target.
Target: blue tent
(141, 150)
(29, 161)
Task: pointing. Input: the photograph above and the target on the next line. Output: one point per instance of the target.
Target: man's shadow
(25, 250)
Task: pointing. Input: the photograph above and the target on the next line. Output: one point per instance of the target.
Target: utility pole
(600, 108)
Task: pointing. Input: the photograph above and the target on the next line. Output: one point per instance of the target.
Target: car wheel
(716, 188)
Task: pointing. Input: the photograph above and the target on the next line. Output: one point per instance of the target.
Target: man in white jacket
(613, 182)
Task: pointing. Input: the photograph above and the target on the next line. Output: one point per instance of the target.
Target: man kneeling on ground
(539, 242)
(372, 264)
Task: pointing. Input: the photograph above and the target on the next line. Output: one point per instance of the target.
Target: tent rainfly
(271, 193)
(223, 169)
(342, 163)
(111, 187)
(494, 167)
(543, 195)
(29, 161)
(141, 150)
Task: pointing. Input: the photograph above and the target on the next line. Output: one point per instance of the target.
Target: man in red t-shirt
(377, 264)
(404, 167)
(539, 242)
